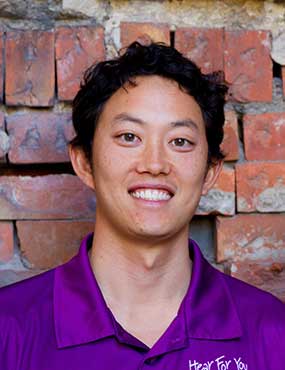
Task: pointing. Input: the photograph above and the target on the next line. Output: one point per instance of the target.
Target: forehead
(153, 98)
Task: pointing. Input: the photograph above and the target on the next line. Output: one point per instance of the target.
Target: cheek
(195, 178)
(109, 165)
(194, 167)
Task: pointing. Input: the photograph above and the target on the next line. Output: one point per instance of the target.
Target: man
(139, 295)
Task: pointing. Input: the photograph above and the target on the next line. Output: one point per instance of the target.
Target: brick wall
(45, 210)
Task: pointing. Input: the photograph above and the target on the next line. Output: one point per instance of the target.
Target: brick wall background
(45, 46)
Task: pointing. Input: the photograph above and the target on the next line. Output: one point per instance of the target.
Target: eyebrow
(185, 123)
(120, 118)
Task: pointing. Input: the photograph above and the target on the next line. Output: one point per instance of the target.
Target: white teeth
(151, 194)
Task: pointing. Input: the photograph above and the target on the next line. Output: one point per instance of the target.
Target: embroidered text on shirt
(220, 363)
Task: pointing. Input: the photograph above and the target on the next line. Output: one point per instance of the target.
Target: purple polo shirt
(59, 320)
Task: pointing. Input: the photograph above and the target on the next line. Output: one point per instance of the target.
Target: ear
(211, 176)
(81, 165)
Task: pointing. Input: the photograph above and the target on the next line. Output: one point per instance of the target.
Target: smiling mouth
(154, 195)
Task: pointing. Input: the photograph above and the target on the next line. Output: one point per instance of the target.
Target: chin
(154, 234)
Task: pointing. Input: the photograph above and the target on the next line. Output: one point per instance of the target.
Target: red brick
(230, 144)
(76, 50)
(46, 244)
(45, 197)
(260, 187)
(1, 66)
(255, 247)
(140, 31)
(204, 46)
(30, 68)
(264, 136)
(6, 241)
(40, 137)
(248, 65)
(221, 198)
(251, 237)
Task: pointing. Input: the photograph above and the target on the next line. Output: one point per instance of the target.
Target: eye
(128, 138)
(182, 143)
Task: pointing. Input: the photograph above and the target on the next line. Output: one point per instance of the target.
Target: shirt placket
(174, 339)
(158, 361)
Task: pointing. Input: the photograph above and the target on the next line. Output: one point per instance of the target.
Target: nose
(154, 159)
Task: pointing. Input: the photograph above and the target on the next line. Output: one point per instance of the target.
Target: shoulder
(27, 295)
(250, 296)
(256, 308)
(26, 310)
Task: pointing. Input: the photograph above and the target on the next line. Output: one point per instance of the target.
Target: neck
(126, 268)
(138, 276)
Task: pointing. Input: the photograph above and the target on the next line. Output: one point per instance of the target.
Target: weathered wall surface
(45, 210)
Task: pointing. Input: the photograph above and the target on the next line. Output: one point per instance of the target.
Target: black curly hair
(102, 80)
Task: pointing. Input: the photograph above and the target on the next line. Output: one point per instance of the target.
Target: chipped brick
(76, 50)
(221, 198)
(30, 68)
(260, 187)
(254, 245)
(142, 32)
(230, 144)
(251, 237)
(264, 136)
(204, 46)
(45, 197)
(46, 244)
(248, 65)
(40, 137)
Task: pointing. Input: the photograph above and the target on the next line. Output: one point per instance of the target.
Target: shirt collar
(209, 308)
(81, 314)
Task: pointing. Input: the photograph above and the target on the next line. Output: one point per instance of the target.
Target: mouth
(153, 194)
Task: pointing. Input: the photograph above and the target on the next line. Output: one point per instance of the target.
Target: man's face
(149, 160)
